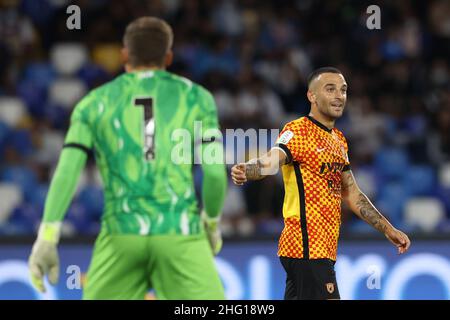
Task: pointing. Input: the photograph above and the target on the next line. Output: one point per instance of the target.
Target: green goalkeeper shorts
(175, 266)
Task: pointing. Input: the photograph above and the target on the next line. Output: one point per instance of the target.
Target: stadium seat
(78, 217)
(4, 131)
(268, 226)
(15, 229)
(41, 12)
(394, 190)
(41, 74)
(10, 197)
(91, 197)
(391, 163)
(57, 115)
(391, 199)
(366, 178)
(33, 95)
(93, 75)
(66, 92)
(108, 56)
(25, 219)
(21, 141)
(234, 202)
(416, 125)
(419, 180)
(198, 179)
(37, 198)
(444, 195)
(22, 176)
(67, 58)
(12, 110)
(426, 213)
(52, 142)
(444, 175)
(392, 208)
(68, 229)
(93, 228)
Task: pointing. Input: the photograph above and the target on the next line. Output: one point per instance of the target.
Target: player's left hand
(399, 239)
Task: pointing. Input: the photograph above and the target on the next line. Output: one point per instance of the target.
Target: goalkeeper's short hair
(148, 39)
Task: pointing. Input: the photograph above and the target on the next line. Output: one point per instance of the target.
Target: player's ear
(311, 96)
(168, 59)
(124, 55)
(125, 58)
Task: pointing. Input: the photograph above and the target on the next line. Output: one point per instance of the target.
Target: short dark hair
(313, 75)
(148, 39)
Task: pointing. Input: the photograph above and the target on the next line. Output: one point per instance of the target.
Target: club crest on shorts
(330, 287)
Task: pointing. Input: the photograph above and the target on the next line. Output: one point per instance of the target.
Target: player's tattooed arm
(253, 170)
(258, 168)
(361, 205)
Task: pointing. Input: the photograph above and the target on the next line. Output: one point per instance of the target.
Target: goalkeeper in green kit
(152, 233)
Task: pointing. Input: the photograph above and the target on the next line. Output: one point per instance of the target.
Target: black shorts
(310, 279)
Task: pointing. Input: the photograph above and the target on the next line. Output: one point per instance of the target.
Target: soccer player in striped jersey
(313, 156)
(152, 233)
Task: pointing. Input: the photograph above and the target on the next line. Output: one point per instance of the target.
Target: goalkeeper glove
(44, 258)
(213, 232)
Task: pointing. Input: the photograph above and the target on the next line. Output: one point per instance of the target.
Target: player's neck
(327, 122)
(129, 68)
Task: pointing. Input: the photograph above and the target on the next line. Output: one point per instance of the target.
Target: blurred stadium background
(255, 57)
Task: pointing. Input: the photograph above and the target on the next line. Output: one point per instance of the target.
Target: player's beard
(335, 112)
(331, 111)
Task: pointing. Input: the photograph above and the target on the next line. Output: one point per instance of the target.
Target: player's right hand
(238, 174)
(213, 232)
(44, 260)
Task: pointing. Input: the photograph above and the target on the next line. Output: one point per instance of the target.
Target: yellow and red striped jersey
(317, 156)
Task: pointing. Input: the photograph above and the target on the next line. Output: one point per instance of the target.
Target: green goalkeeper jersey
(132, 124)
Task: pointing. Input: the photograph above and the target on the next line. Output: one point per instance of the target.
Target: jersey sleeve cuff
(346, 168)
(211, 139)
(286, 150)
(78, 146)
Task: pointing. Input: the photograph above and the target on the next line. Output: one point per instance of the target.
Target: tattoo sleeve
(370, 214)
(253, 170)
(361, 205)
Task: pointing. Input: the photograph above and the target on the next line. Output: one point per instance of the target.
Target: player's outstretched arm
(363, 208)
(258, 168)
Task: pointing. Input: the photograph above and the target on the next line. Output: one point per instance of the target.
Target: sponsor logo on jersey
(285, 137)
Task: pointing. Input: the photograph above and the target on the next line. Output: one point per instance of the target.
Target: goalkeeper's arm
(44, 256)
(213, 194)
